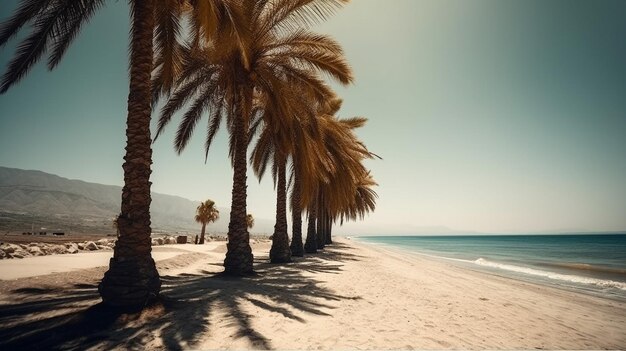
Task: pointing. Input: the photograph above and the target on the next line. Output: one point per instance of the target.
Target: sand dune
(351, 296)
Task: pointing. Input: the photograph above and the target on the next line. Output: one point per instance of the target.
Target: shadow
(338, 252)
(191, 307)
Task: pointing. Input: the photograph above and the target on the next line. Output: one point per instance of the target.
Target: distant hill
(34, 198)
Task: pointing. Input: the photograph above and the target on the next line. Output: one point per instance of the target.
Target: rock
(159, 241)
(71, 248)
(169, 240)
(103, 242)
(155, 242)
(57, 249)
(35, 251)
(91, 246)
(11, 248)
(70, 245)
(104, 247)
(19, 254)
(3, 255)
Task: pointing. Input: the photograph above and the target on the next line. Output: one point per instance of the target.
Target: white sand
(356, 296)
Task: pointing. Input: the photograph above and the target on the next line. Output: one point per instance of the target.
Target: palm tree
(249, 221)
(345, 154)
(206, 213)
(295, 139)
(259, 55)
(132, 279)
(358, 200)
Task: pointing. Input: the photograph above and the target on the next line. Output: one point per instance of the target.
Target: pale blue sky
(491, 116)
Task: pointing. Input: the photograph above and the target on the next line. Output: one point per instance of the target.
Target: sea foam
(552, 275)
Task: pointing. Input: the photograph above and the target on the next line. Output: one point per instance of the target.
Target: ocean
(593, 264)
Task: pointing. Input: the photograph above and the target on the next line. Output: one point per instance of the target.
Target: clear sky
(491, 116)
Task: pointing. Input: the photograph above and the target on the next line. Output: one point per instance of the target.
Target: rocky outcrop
(42, 249)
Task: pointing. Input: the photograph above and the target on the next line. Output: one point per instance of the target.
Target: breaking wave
(552, 275)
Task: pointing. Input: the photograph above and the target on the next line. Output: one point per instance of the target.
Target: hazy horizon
(490, 116)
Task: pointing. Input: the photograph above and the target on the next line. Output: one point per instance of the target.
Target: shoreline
(574, 280)
(349, 296)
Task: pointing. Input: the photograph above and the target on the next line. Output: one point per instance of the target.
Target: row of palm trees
(250, 65)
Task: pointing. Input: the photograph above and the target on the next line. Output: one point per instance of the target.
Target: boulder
(35, 251)
(2, 254)
(91, 246)
(11, 248)
(170, 240)
(103, 242)
(19, 254)
(81, 246)
(56, 249)
(71, 248)
(159, 241)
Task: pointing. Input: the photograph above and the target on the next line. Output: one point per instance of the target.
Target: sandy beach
(350, 296)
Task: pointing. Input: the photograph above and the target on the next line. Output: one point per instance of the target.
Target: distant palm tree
(310, 166)
(296, 138)
(132, 278)
(262, 52)
(249, 221)
(345, 170)
(206, 213)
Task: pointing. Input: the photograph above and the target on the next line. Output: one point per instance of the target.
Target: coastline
(562, 270)
(352, 295)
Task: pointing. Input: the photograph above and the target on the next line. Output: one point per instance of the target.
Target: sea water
(590, 263)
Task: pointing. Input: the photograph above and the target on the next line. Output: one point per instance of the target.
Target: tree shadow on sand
(72, 318)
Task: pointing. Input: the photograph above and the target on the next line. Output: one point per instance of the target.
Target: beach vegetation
(264, 52)
(206, 213)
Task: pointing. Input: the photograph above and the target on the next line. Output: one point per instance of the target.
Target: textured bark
(297, 248)
(239, 257)
(202, 233)
(321, 240)
(329, 230)
(311, 237)
(280, 252)
(132, 280)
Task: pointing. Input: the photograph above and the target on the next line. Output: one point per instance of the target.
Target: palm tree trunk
(321, 240)
(132, 280)
(329, 230)
(311, 238)
(297, 249)
(280, 252)
(202, 234)
(239, 257)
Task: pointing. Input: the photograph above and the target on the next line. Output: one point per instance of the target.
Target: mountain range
(31, 199)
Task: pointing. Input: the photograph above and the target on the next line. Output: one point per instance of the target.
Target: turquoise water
(591, 263)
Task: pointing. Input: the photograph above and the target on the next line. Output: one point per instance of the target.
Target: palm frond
(30, 50)
(167, 47)
(78, 13)
(27, 11)
(176, 101)
(288, 15)
(192, 117)
(215, 119)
